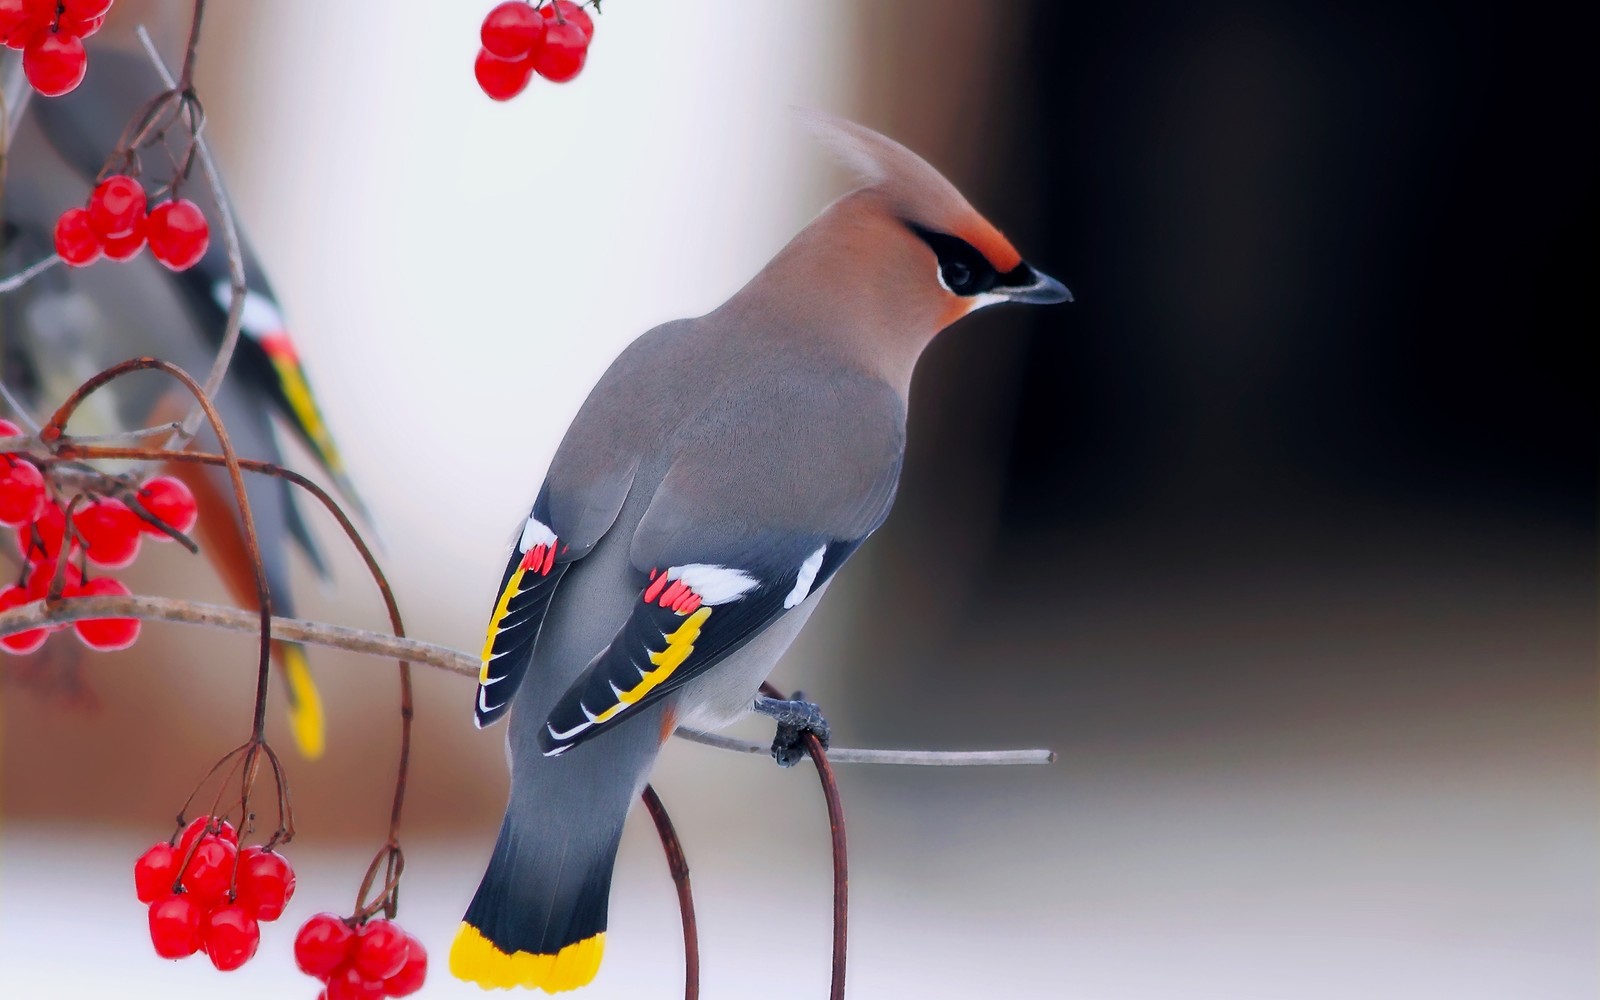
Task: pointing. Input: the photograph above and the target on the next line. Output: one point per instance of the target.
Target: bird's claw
(795, 717)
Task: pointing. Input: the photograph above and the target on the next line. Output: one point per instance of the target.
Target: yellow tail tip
(476, 959)
(306, 723)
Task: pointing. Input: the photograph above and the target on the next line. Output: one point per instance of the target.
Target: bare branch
(230, 240)
(443, 658)
(27, 274)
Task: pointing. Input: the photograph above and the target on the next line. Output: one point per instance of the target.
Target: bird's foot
(795, 717)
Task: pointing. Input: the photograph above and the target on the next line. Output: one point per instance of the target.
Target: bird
(716, 478)
(69, 323)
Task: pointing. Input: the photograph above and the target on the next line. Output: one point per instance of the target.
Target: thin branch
(28, 421)
(27, 274)
(679, 866)
(230, 240)
(443, 658)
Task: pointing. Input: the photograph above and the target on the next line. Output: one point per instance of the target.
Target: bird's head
(895, 261)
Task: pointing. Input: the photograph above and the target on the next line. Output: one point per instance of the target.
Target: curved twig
(679, 866)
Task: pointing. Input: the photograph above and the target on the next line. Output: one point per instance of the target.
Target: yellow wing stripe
(298, 393)
(513, 588)
(475, 959)
(679, 645)
(306, 721)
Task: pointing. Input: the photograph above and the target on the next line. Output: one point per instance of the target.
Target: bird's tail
(538, 919)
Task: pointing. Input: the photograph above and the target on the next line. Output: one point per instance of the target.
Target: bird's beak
(1042, 290)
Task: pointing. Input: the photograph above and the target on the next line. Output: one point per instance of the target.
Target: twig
(54, 430)
(841, 870)
(428, 654)
(679, 866)
(230, 240)
(27, 274)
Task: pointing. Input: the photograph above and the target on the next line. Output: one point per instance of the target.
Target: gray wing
(771, 488)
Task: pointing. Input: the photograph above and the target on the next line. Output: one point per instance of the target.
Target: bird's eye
(962, 269)
(957, 277)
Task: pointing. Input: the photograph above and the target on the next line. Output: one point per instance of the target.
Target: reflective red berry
(43, 538)
(323, 944)
(230, 936)
(22, 494)
(202, 826)
(120, 248)
(76, 241)
(210, 871)
(178, 234)
(85, 9)
(411, 975)
(175, 926)
(266, 882)
(380, 949)
(502, 79)
(169, 499)
(563, 53)
(570, 12)
(54, 62)
(511, 30)
(110, 532)
(117, 207)
(106, 634)
(154, 872)
(20, 643)
(42, 577)
(347, 983)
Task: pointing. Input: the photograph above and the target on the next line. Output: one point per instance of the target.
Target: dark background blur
(1283, 535)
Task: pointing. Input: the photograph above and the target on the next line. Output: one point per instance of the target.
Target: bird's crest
(909, 185)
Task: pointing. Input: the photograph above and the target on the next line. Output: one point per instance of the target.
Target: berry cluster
(115, 223)
(105, 531)
(207, 894)
(50, 35)
(521, 39)
(376, 960)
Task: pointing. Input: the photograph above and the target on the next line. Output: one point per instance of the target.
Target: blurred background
(1283, 535)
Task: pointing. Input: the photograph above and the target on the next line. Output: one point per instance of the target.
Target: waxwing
(69, 323)
(719, 474)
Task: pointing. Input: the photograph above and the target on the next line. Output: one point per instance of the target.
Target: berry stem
(53, 431)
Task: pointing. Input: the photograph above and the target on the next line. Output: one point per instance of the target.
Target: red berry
(380, 949)
(175, 926)
(21, 20)
(117, 207)
(50, 527)
(178, 234)
(511, 30)
(106, 634)
(85, 9)
(9, 429)
(153, 873)
(210, 871)
(169, 499)
(54, 62)
(82, 27)
(120, 248)
(22, 496)
(573, 13)
(266, 882)
(323, 944)
(202, 826)
(409, 979)
(43, 575)
(347, 983)
(231, 937)
(76, 241)
(563, 53)
(110, 532)
(502, 79)
(20, 643)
